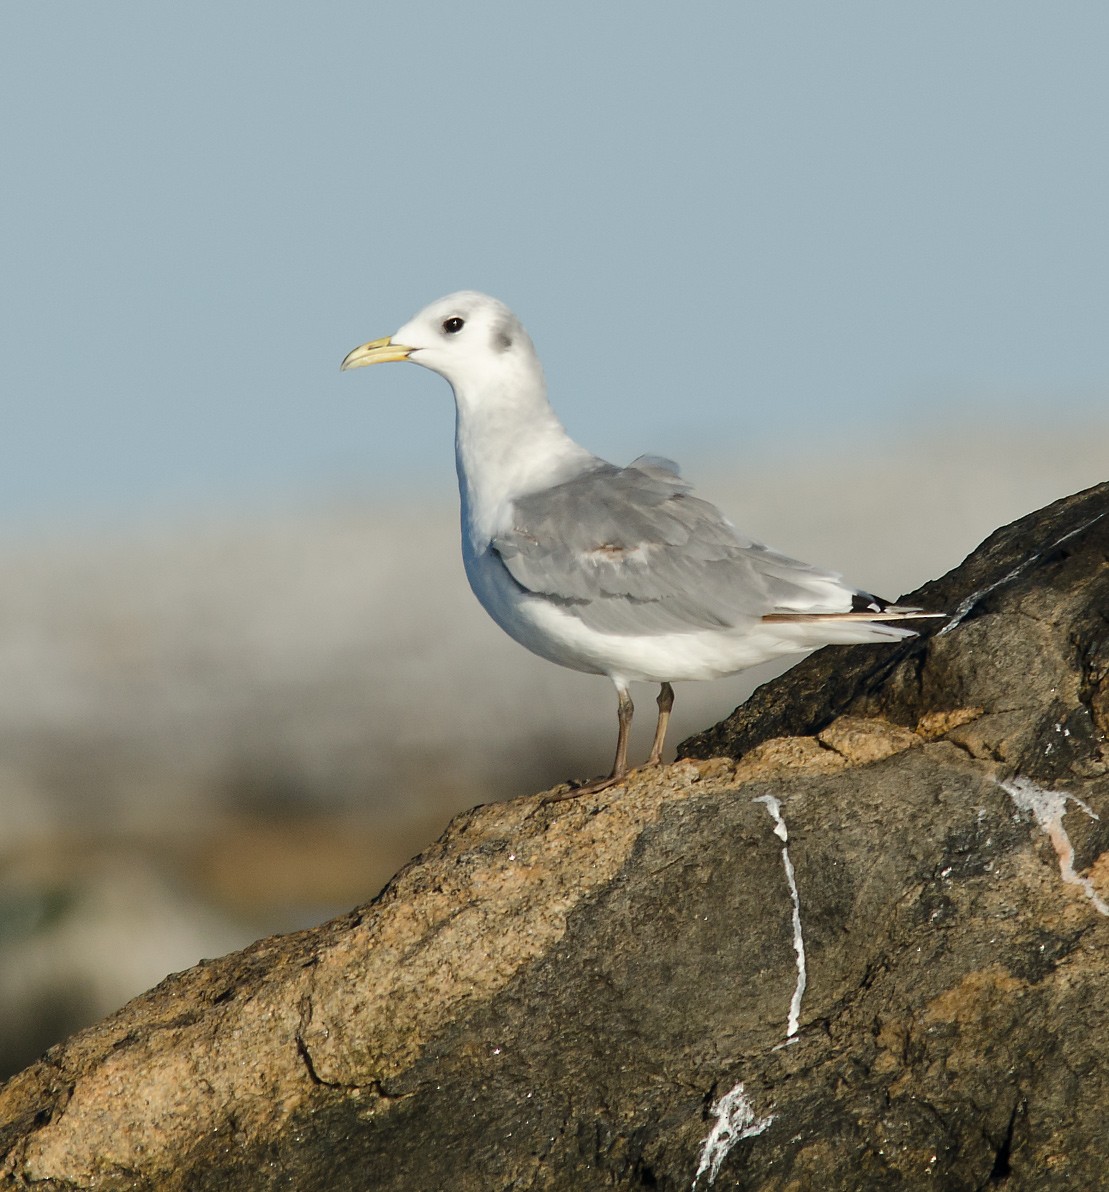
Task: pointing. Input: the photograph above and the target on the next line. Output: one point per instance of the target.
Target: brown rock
(862, 741)
(606, 993)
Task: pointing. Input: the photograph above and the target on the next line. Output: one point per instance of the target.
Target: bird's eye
(453, 325)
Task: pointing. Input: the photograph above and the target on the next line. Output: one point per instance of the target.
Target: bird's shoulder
(616, 509)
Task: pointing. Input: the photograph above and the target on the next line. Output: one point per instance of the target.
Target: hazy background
(846, 262)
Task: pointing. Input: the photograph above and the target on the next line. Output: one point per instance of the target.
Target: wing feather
(631, 550)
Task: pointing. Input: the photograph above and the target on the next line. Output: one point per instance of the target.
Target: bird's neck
(508, 442)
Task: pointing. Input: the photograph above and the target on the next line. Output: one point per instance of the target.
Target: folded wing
(631, 550)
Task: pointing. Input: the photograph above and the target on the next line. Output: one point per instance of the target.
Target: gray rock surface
(857, 939)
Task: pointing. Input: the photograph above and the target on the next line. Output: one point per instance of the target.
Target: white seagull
(613, 571)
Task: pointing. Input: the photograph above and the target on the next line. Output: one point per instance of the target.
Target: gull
(613, 571)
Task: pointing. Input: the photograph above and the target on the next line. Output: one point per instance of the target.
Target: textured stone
(576, 995)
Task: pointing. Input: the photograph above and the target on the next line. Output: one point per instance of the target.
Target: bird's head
(472, 340)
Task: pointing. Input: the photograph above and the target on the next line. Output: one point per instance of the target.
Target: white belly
(553, 632)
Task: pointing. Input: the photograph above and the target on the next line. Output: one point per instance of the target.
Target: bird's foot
(603, 784)
(588, 788)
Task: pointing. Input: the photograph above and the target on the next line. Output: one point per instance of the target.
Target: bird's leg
(665, 703)
(624, 711)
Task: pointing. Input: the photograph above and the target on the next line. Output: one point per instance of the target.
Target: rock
(855, 939)
(1028, 651)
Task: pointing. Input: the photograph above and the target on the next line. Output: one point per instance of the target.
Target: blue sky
(729, 228)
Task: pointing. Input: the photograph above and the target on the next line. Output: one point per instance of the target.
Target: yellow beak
(377, 351)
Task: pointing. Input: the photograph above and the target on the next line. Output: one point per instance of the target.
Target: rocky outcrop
(857, 938)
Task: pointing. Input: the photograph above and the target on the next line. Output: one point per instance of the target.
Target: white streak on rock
(1048, 808)
(775, 809)
(976, 597)
(735, 1116)
(735, 1120)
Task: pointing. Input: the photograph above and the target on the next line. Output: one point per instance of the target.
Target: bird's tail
(864, 607)
(892, 612)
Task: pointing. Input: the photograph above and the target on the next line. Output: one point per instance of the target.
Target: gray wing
(631, 550)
